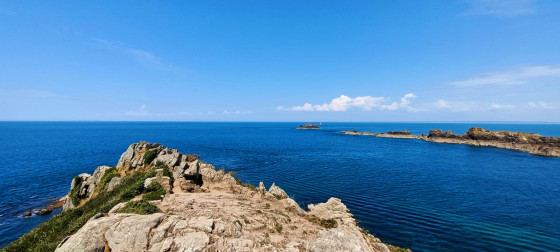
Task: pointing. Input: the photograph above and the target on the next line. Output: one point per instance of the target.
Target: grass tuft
(278, 227)
(140, 207)
(154, 191)
(48, 235)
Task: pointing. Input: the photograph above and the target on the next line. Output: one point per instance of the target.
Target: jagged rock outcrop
(87, 184)
(527, 142)
(219, 214)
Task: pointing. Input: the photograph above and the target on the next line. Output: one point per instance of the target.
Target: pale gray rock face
(261, 188)
(113, 183)
(89, 183)
(117, 207)
(340, 240)
(275, 190)
(168, 156)
(67, 204)
(133, 158)
(90, 236)
(132, 233)
(94, 180)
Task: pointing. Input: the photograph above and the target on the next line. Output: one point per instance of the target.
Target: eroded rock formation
(209, 210)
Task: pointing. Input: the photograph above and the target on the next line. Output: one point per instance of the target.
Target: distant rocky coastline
(308, 126)
(157, 199)
(527, 142)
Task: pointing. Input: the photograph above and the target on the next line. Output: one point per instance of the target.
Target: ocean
(410, 193)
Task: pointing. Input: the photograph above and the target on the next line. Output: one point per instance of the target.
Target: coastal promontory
(158, 199)
(527, 142)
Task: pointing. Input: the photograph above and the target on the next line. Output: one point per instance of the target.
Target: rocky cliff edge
(204, 209)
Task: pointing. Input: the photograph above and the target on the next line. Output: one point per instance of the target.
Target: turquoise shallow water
(426, 196)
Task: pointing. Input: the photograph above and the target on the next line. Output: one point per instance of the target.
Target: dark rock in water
(44, 211)
(404, 132)
(27, 214)
(308, 126)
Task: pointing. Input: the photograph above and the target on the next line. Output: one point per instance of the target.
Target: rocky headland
(527, 142)
(157, 199)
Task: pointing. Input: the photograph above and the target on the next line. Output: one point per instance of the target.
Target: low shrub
(150, 155)
(132, 191)
(326, 223)
(154, 191)
(74, 192)
(250, 186)
(278, 227)
(140, 207)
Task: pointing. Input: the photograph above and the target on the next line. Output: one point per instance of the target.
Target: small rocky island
(157, 199)
(308, 126)
(527, 142)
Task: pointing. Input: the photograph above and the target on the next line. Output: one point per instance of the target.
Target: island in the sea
(158, 199)
(308, 126)
(527, 142)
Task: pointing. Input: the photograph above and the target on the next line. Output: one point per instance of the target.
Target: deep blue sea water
(411, 193)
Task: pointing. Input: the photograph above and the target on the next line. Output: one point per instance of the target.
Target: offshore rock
(526, 142)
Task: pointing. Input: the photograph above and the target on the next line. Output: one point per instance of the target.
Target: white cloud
(539, 104)
(366, 103)
(517, 75)
(142, 111)
(30, 93)
(145, 58)
(500, 7)
(139, 112)
(501, 106)
(238, 112)
(455, 106)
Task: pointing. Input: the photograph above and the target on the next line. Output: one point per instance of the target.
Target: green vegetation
(140, 207)
(154, 191)
(166, 171)
(278, 227)
(74, 192)
(133, 190)
(107, 176)
(47, 235)
(150, 155)
(250, 186)
(329, 223)
(266, 206)
(326, 223)
(278, 196)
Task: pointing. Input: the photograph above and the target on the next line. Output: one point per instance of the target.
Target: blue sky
(456, 60)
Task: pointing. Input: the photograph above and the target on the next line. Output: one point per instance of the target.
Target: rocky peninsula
(158, 199)
(527, 142)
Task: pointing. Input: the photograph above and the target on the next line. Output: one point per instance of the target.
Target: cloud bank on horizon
(366, 103)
